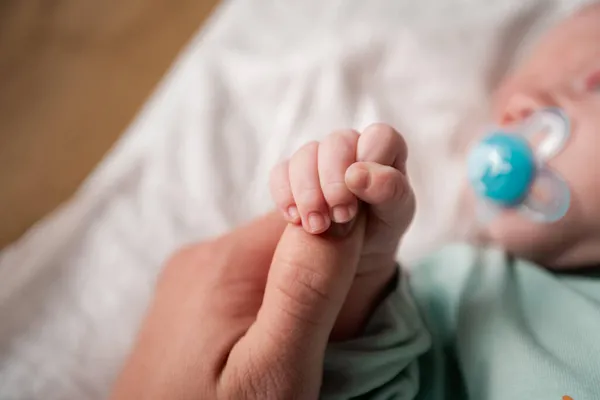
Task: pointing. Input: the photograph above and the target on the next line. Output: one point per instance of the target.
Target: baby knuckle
(396, 188)
(309, 198)
(344, 135)
(383, 131)
(279, 172)
(309, 147)
(335, 190)
(282, 195)
(343, 142)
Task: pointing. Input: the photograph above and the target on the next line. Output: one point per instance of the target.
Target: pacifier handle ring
(538, 210)
(555, 125)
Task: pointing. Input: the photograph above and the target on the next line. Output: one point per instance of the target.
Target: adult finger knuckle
(305, 285)
(304, 290)
(259, 378)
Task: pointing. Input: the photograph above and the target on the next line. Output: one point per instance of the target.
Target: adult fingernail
(341, 214)
(316, 222)
(358, 178)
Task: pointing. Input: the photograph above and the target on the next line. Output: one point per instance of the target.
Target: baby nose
(522, 105)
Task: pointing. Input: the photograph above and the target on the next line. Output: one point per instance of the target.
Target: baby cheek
(578, 165)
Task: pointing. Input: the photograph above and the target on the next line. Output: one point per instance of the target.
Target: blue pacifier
(508, 169)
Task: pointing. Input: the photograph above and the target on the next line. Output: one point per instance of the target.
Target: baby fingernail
(292, 213)
(341, 214)
(316, 222)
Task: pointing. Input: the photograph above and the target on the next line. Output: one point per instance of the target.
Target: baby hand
(332, 181)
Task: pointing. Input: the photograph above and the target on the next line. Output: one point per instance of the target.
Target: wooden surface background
(73, 73)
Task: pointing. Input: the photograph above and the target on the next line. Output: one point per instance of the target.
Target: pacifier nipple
(507, 169)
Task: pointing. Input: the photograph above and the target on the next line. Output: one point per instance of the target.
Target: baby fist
(328, 182)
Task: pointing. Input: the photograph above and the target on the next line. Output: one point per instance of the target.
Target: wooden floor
(73, 73)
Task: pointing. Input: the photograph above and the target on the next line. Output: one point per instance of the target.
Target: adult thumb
(308, 282)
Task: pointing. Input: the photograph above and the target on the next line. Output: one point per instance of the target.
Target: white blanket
(263, 77)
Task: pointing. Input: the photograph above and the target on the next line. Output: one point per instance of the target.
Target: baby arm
(325, 187)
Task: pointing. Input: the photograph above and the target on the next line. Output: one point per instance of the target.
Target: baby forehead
(581, 28)
(570, 49)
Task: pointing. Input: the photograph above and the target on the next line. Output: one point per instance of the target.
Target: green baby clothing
(475, 324)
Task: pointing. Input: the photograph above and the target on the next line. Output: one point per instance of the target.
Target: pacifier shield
(508, 170)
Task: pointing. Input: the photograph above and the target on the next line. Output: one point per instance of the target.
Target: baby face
(563, 71)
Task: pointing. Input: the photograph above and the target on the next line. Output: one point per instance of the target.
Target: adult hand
(246, 316)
